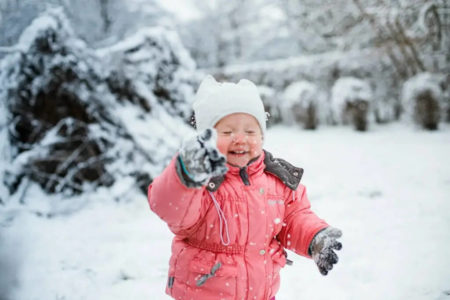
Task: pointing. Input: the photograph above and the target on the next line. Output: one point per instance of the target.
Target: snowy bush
(78, 119)
(324, 70)
(423, 99)
(351, 99)
(154, 64)
(302, 104)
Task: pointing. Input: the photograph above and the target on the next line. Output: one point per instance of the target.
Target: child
(233, 207)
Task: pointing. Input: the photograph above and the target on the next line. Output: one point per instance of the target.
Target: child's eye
(250, 131)
(226, 132)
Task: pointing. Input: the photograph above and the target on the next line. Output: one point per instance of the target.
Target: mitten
(200, 159)
(321, 249)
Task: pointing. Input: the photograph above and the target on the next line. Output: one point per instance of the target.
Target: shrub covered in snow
(351, 99)
(302, 103)
(79, 119)
(423, 99)
(323, 70)
(153, 64)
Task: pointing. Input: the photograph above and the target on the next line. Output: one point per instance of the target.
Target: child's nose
(239, 137)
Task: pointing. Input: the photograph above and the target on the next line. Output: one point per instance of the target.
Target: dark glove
(200, 159)
(321, 249)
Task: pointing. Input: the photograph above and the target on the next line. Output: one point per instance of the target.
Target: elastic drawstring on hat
(222, 221)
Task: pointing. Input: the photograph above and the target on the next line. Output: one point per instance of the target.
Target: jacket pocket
(278, 260)
(211, 278)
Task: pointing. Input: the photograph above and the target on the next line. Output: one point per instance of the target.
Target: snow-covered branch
(11, 50)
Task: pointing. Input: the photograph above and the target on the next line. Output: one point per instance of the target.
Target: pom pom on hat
(215, 100)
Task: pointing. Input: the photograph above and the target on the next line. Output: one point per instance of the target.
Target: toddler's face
(239, 138)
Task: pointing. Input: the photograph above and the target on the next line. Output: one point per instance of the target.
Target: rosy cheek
(254, 142)
(222, 146)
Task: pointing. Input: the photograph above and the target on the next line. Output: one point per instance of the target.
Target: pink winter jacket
(230, 235)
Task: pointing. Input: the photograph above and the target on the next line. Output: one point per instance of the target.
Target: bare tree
(317, 26)
(413, 34)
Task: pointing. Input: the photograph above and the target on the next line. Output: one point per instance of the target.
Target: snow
(323, 70)
(300, 90)
(44, 23)
(159, 35)
(131, 90)
(347, 90)
(183, 10)
(304, 94)
(152, 57)
(302, 66)
(387, 189)
(418, 84)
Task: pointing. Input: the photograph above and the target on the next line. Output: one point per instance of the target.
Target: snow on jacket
(230, 236)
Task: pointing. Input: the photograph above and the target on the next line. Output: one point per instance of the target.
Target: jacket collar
(287, 173)
(254, 166)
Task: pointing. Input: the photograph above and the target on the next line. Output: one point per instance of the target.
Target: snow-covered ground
(387, 189)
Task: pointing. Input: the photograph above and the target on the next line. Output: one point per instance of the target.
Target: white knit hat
(215, 100)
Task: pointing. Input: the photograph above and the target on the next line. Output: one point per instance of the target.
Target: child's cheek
(256, 147)
(222, 145)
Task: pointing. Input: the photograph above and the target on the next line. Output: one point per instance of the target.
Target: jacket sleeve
(179, 206)
(301, 223)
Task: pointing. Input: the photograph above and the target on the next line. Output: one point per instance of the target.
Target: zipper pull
(205, 277)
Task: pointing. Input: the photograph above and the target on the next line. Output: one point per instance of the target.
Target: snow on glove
(200, 158)
(322, 246)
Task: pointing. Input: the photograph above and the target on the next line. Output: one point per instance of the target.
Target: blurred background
(95, 99)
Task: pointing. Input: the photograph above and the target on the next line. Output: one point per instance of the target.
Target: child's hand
(201, 159)
(322, 249)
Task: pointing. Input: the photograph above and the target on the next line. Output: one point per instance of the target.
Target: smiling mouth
(238, 153)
